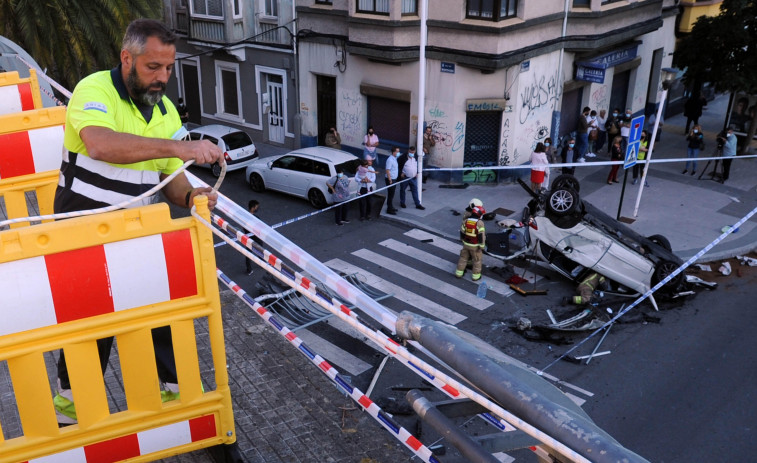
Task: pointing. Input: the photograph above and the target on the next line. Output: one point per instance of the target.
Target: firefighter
(473, 236)
(586, 289)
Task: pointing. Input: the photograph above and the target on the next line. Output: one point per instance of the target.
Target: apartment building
(501, 75)
(236, 65)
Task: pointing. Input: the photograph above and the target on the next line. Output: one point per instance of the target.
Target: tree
(72, 38)
(722, 50)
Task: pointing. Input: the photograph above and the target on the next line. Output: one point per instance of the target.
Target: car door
(277, 176)
(301, 176)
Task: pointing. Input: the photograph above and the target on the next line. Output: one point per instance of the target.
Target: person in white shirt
(410, 170)
(392, 172)
(539, 167)
(366, 181)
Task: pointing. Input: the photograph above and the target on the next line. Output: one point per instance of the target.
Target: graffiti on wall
(504, 153)
(600, 98)
(543, 92)
(350, 117)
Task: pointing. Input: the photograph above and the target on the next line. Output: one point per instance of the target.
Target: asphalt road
(677, 390)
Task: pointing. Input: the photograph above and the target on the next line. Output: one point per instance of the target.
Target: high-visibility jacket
(473, 232)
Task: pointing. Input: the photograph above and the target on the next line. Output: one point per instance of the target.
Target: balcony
(693, 9)
(215, 30)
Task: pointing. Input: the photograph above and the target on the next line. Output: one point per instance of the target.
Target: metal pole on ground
(665, 85)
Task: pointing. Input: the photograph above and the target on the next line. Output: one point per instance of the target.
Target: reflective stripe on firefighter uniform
(473, 236)
(586, 289)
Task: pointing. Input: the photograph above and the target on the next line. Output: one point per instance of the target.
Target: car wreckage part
(562, 202)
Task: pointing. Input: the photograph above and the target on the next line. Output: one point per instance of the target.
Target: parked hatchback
(302, 173)
(238, 148)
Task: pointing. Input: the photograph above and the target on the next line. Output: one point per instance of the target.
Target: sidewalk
(688, 211)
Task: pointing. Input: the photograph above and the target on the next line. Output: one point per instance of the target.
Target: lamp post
(423, 5)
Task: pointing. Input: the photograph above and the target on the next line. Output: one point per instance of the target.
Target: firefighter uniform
(473, 236)
(586, 289)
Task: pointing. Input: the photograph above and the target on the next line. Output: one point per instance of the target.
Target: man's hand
(202, 152)
(207, 191)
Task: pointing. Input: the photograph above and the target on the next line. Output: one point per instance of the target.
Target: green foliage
(72, 38)
(722, 49)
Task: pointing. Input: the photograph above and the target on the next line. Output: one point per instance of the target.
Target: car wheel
(215, 169)
(256, 183)
(661, 241)
(662, 271)
(315, 196)
(566, 181)
(562, 202)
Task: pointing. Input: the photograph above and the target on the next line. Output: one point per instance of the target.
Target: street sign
(631, 151)
(637, 124)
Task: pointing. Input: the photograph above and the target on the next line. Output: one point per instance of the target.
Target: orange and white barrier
(19, 94)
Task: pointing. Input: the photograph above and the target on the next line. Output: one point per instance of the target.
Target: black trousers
(390, 195)
(727, 167)
(162, 345)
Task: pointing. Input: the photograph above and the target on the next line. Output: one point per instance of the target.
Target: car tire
(566, 221)
(566, 180)
(661, 241)
(256, 183)
(663, 269)
(215, 169)
(316, 198)
(562, 202)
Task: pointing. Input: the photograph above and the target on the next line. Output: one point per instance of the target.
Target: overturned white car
(574, 238)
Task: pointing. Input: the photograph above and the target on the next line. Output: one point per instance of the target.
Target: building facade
(500, 76)
(236, 65)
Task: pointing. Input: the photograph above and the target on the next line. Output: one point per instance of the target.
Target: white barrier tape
(659, 285)
(585, 164)
(41, 73)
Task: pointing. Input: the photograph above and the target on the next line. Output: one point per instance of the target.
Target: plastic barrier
(31, 144)
(17, 94)
(69, 283)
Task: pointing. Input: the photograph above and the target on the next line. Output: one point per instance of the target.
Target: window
(237, 6)
(321, 168)
(373, 6)
(323, 2)
(492, 10)
(208, 8)
(227, 84)
(409, 6)
(271, 8)
(582, 3)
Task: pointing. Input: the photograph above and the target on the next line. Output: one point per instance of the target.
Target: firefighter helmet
(478, 211)
(475, 202)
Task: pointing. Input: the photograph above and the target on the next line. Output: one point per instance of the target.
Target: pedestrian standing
(392, 172)
(729, 152)
(473, 236)
(582, 133)
(366, 183)
(539, 166)
(593, 134)
(339, 186)
(568, 156)
(613, 128)
(410, 171)
(625, 129)
(616, 154)
(370, 143)
(641, 156)
(602, 130)
(118, 144)
(693, 110)
(253, 205)
(183, 112)
(694, 143)
(333, 139)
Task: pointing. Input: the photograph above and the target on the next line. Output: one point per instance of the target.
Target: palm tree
(72, 38)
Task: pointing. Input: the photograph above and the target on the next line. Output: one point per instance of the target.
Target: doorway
(275, 90)
(481, 145)
(619, 95)
(326, 91)
(191, 90)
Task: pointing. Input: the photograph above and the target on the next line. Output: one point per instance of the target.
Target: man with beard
(122, 138)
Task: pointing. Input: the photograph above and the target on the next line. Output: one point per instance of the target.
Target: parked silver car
(238, 148)
(302, 173)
